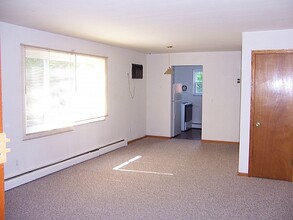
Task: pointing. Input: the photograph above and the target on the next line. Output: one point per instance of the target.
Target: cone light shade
(168, 71)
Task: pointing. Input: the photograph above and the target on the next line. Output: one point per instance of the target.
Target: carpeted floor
(173, 179)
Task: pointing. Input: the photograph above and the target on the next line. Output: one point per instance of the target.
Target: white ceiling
(149, 26)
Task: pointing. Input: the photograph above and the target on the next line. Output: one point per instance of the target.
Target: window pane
(49, 81)
(199, 88)
(60, 90)
(34, 93)
(199, 76)
(90, 88)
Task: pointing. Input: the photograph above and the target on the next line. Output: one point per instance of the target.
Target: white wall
(127, 117)
(221, 93)
(264, 40)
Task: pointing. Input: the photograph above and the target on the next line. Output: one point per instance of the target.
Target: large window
(62, 89)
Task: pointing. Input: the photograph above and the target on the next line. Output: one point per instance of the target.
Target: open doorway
(186, 109)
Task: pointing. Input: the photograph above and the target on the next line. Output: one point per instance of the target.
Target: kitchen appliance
(176, 108)
(186, 116)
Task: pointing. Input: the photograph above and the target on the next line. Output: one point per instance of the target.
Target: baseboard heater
(196, 125)
(31, 175)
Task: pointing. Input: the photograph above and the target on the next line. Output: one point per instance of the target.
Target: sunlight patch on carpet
(119, 168)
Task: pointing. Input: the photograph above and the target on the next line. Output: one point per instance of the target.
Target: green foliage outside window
(197, 82)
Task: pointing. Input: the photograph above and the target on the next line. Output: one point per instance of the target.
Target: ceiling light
(169, 69)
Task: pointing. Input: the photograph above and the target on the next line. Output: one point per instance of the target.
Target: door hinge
(3, 149)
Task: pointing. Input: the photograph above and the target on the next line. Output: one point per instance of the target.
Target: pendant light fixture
(169, 70)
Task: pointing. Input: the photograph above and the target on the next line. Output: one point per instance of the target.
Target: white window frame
(76, 123)
(195, 82)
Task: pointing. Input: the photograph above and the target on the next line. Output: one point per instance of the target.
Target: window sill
(47, 133)
(60, 130)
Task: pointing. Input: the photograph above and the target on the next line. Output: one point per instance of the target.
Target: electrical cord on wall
(131, 92)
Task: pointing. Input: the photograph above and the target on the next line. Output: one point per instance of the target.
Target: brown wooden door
(1, 192)
(271, 140)
(1, 165)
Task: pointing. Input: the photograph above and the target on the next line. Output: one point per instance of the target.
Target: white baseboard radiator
(29, 176)
(196, 125)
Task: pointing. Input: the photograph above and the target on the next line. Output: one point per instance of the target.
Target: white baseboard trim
(18, 180)
(196, 125)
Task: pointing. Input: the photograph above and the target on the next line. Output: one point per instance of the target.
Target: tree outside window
(197, 82)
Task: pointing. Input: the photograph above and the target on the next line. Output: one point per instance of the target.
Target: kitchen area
(187, 102)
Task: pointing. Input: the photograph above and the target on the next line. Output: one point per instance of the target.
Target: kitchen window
(197, 82)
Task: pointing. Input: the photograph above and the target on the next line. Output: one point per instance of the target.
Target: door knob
(3, 149)
(257, 124)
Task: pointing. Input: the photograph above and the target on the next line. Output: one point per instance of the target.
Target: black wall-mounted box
(137, 71)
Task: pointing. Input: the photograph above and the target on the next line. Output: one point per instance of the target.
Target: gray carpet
(204, 185)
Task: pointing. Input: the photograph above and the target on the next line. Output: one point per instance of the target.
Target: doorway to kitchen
(186, 110)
